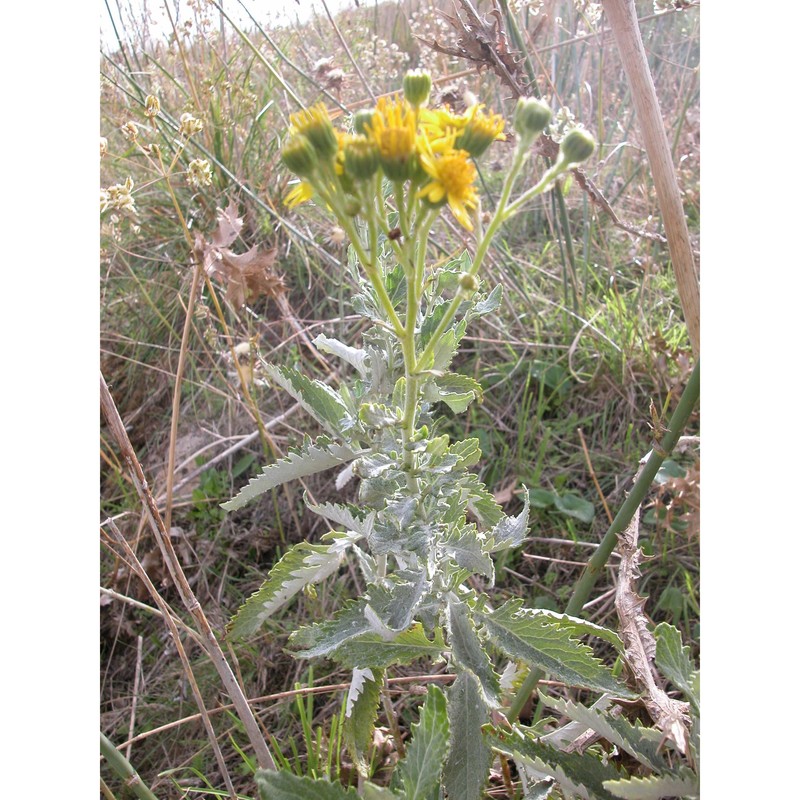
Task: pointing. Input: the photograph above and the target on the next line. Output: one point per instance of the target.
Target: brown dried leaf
(229, 226)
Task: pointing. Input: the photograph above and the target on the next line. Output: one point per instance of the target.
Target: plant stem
(123, 768)
(635, 497)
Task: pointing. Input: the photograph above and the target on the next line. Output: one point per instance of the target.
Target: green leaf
(284, 785)
(467, 766)
(480, 501)
(456, 391)
(683, 783)
(311, 458)
(467, 649)
(322, 402)
(379, 652)
(488, 304)
(361, 711)
(580, 774)
(373, 792)
(302, 564)
(351, 517)
(466, 549)
(322, 638)
(535, 636)
(669, 469)
(574, 506)
(352, 355)
(675, 663)
(511, 531)
(419, 772)
(541, 498)
(640, 742)
(467, 451)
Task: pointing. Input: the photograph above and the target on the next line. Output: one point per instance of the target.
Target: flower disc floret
(393, 129)
(315, 124)
(452, 180)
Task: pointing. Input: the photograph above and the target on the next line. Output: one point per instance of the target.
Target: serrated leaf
(322, 402)
(467, 451)
(488, 304)
(351, 517)
(373, 792)
(466, 549)
(467, 649)
(640, 742)
(322, 638)
(467, 766)
(674, 661)
(283, 785)
(351, 355)
(361, 711)
(531, 635)
(579, 774)
(480, 501)
(456, 391)
(511, 531)
(311, 458)
(574, 506)
(301, 565)
(419, 772)
(378, 652)
(684, 784)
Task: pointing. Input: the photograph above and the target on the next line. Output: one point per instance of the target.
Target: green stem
(636, 496)
(124, 770)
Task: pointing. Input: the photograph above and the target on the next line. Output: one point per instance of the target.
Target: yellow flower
(440, 126)
(453, 179)
(394, 130)
(301, 193)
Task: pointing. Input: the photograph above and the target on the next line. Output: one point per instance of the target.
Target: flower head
(479, 131)
(190, 125)
(453, 180)
(393, 129)
(199, 173)
(299, 155)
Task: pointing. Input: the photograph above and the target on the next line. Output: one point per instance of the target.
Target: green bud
(576, 146)
(417, 87)
(352, 206)
(361, 119)
(468, 283)
(531, 117)
(361, 159)
(299, 155)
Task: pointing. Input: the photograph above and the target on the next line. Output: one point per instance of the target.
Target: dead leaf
(245, 276)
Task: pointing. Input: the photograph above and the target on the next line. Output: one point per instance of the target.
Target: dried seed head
(190, 125)
(151, 106)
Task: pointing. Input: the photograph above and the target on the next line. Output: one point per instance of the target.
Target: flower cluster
(430, 151)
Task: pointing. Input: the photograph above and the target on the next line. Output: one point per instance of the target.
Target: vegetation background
(69, 417)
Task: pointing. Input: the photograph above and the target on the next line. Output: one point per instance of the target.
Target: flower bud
(531, 117)
(315, 124)
(576, 146)
(467, 283)
(360, 158)
(417, 87)
(361, 119)
(299, 155)
(352, 205)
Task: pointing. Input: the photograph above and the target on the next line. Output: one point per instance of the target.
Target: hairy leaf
(640, 742)
(351, 355)
(322, 402)
(467, 649)
(582, 775)
(304, 563)
(419, 772)
(480, 501)
(322, 638)
(682, 784)
(351, 517)
(361, 711)
(511, 531)
(378, 652)
(465, 547)
(675, 663)
(311, 458)
(283, 785)
(539, 639)
(467, 766)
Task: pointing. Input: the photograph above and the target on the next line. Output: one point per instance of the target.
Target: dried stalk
(670, 715)
(621, 16)
(161, 535)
